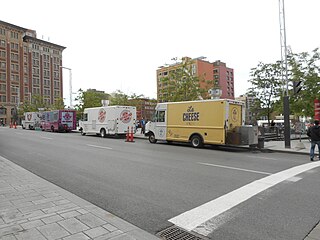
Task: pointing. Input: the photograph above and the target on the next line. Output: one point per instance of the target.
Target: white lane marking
(47, 138)
(95, 146)
(262, 157)
(234, 168)
(18, 133)
(191, 219)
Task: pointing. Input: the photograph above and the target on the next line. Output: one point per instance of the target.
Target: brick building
(145, 107)
(214, 74)
(28, 66)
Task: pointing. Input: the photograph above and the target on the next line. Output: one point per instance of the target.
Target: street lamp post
(70, 84)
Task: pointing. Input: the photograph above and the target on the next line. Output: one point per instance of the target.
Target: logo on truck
(190, 115)
(125, 116)
(102, 115)
(235, 114)
(67, 116)
(29, 116)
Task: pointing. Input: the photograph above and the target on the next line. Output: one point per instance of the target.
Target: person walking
(143, 125)
(314, 134)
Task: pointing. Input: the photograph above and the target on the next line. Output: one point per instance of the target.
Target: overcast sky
(120, 44)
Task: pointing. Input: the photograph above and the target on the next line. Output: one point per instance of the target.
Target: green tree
(181, 84)
(305, 67)
(266, 87)
(119, 98)
(58, 104)
(89, 98)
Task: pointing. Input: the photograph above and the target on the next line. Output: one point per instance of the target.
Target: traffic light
(297, 86)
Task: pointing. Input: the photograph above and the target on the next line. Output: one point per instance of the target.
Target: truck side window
(161, 116)
(85, 117)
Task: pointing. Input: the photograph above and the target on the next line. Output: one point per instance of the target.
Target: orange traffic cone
(127, 135)
(131, 135)
(15, 125)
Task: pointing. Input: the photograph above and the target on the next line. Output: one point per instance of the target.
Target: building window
(2, 87)
(2, 43)
(46, 82)
(36, 81)
(3, 98)
(14, 67)
(14, 46)
(2, 31)
(14, 77)
(56, 84)
(2, 65)
(35, 46)
(14, 35)
(14, 57)
(2, 54)
(3, 76)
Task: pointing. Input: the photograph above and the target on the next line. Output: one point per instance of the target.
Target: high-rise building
(250, 114)
(215, 74)
(28, 66)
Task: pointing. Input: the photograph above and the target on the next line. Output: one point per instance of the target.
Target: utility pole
(284, 74)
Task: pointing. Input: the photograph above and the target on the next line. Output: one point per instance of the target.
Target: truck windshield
(159, 116)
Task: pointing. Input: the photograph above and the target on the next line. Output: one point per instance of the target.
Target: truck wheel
(52, 128)
(152, 138)
(82, 133)
(196, 141)
(103, 133)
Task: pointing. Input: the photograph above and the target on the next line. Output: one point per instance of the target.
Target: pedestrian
(143, 125)
(314, 135)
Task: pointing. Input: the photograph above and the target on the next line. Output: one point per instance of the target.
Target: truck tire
(196, 141)
(52, 128)
(102, 132)
(152, 138)
(82, 133)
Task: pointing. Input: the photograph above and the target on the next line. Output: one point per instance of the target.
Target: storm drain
(175, 233)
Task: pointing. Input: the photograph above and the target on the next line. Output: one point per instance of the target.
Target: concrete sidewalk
(33, 208)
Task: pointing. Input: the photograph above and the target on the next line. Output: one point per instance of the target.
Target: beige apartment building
(28, 66)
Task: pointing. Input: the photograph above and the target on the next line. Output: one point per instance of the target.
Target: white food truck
(108, 120)
(31, 120)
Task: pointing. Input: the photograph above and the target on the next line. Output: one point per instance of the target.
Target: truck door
(235, 116)
(160, 125)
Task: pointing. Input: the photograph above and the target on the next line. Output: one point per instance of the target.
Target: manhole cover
(175, 233)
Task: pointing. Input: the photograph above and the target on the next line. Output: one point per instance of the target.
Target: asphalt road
(148, 184)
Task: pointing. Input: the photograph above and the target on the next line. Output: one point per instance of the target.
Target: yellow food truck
(218, 122)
